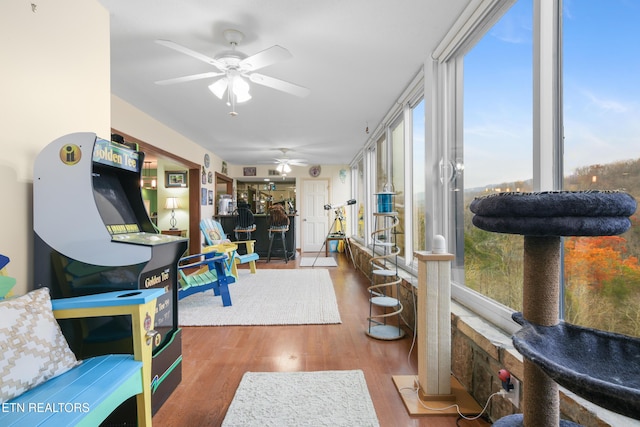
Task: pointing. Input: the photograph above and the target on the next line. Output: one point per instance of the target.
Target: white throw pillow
(32, 347)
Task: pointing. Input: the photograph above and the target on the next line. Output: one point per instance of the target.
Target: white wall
(55, 80)
(339, 192)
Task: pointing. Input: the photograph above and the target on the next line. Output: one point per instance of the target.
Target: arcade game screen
(113, 203)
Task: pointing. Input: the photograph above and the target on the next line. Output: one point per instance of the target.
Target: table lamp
(172, 203)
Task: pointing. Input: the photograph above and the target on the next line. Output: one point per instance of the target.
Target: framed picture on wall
(175, 179)
(249, 171)
(203, 197)
(210, 199)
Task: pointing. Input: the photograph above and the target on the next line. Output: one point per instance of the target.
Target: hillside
(601, 274)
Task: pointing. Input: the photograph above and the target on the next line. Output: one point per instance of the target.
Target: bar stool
(278, 224)
(245, 222)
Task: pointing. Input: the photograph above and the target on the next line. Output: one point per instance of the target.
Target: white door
(314, 217)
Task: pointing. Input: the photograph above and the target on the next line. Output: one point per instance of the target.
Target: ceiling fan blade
(293, 162)
(278, 84)
(264, 58)
(189, 78)
(298, 162)
(191, 53)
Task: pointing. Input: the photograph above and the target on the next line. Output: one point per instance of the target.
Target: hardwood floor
(215, 358)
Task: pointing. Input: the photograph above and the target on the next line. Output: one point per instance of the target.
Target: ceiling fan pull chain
(231, 95)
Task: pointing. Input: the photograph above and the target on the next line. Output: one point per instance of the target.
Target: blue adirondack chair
(6, 282)
(201, 272)
(214, 235)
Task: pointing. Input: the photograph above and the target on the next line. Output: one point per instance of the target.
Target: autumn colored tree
(594, 260)
(601, 282)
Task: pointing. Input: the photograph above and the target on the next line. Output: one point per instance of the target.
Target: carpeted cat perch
(599, 366)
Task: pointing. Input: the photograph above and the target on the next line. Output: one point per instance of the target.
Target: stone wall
(480, 350)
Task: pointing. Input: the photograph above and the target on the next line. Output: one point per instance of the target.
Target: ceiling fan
(285, 163)
(235, 70)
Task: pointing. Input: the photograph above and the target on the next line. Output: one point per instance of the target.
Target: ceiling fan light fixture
(283, 168)
(219, 87)
(238, 85)
(241, 89)
(243, 97)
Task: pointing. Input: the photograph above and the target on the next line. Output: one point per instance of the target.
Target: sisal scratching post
(434, 313)
(541, 306)
(438, 390)
(541, 279)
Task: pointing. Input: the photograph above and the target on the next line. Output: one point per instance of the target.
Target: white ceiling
(356, 57)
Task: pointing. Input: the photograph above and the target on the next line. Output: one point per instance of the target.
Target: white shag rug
(296, 399)
(269, 297)
(319, 262)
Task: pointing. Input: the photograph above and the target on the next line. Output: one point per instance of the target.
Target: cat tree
(602, 367)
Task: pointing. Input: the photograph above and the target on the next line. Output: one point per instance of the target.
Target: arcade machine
(93, 234)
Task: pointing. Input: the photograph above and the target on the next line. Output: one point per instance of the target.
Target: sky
(601, 78)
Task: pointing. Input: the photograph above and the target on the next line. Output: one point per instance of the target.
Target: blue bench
(86, 394)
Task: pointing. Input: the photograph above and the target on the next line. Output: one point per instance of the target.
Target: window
(419, 157)
(388, 166)
(382, 168)
(397, 179)
(360, 199)
(371, 160)
(497, 150)
(602, 151)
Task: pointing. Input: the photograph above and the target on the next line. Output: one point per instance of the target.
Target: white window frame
(401, 110)
(444, 123)
(440, 84)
